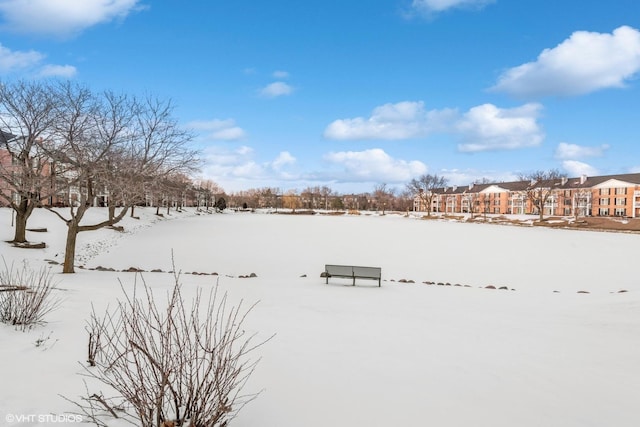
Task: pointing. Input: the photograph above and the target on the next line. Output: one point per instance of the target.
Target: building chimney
(583, 179)
(563, 180)
(471, 185)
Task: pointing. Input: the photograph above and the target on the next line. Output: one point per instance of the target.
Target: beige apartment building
(608, 195)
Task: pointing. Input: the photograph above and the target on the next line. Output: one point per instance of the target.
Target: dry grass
(593, 223)
(628, 225)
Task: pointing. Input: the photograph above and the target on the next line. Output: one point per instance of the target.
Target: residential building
(607, 195)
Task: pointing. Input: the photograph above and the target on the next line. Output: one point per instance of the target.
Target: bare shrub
(26, 295)
(177, 363)
(94, 328)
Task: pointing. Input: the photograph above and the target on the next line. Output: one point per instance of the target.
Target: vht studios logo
(43, 418)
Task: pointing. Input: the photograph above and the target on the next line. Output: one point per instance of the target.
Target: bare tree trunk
(70, 247)
(23, 212)
(541, 209)
(20, 235)
(132, 209)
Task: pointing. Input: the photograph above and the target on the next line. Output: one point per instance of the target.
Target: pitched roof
(592, 181)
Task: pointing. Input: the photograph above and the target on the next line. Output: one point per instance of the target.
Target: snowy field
(560, 348)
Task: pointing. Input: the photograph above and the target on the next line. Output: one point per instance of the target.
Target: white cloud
(403, 120)
(65, 71)
(482, 128)
(431, 6)
(228, 167)
(62, 17)
(576, 168)
(276, 89)
(216, 129)
(283, 159)
(573, 151)
(222, 164)
(585, 62)
(11, 61)
(244, 150)
(374, 165)
(487, 127)
(247, 170)
(281, 74)
(31, 63)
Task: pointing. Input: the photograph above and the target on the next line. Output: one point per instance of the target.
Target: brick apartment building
(45, 186)
(608, 195)
(53, 192)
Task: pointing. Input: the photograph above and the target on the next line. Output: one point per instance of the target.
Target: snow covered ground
(406, 354)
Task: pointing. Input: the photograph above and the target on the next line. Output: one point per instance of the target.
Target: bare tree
(472, 200)
(291, 200)
(403, 201)
(383, 196)
(208, 190)
(26, 117)
(183, 364)
(308, 198)
(268, 197)
(157, 149)
(89, 132)
(581, 202)
(424, 187)
(326, 192)
(541, 188)
(115, 146)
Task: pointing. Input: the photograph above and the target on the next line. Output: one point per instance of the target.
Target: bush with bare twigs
(174, 364)
(26, 295)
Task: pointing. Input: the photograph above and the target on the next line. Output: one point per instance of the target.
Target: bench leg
(354, 280)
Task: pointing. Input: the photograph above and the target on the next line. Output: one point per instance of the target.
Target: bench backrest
(373, 272)
(339, 270)
(349, 270)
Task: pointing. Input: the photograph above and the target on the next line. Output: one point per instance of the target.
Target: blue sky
(351, 94)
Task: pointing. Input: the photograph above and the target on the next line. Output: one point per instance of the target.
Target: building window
(621, 201)
(603, 212)
(604, 191)
(604, 201)
(621, 190)
(567, 211)
(620, 212)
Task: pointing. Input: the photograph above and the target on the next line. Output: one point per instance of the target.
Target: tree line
(381, 198)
